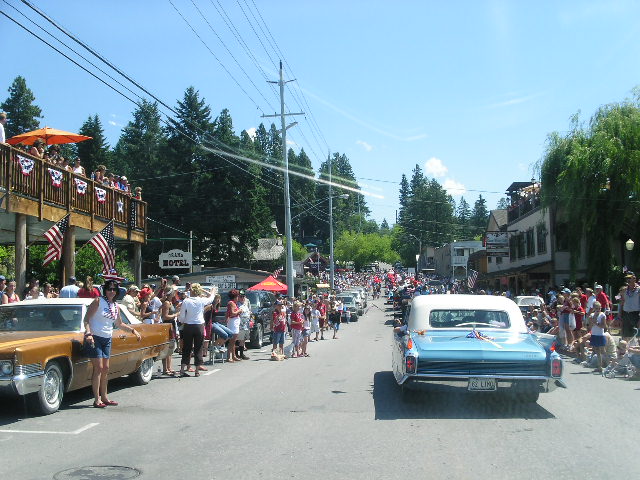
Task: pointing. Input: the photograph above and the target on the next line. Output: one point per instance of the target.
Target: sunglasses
(111, 289)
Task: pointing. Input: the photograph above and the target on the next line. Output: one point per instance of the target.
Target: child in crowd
(278, 327)
(315, 320)
(306, 329)
(297, 322)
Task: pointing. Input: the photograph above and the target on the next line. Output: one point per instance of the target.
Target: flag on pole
(104, 242)
(471, 279)
(55, 236)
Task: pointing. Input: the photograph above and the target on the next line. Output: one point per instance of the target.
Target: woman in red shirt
(297, 321)
(88, 290)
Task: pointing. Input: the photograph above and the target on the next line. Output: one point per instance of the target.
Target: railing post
(41, 193)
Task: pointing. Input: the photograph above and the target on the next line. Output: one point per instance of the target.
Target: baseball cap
(2, 277)
(597, 286)
(72, 280)
(566, 290)
(241, 292)
(134, 287)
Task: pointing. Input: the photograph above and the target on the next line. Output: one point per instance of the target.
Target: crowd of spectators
(53, 156)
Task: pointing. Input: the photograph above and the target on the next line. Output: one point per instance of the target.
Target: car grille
(28, 369)
(466, 368)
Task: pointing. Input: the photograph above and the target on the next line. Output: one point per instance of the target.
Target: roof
(268, 249)
(515, 186)
(500, 217)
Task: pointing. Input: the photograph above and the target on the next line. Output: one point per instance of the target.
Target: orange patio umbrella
(51, 136)
(271, 284)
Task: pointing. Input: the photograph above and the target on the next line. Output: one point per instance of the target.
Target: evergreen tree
(22, 114)
(403, 198)
(503, 204)
(384, 227)
(93, 152)
(479, 216)
(463, 216)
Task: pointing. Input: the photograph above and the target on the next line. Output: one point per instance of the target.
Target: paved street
(337, 414)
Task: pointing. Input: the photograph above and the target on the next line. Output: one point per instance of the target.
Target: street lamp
(629, 244)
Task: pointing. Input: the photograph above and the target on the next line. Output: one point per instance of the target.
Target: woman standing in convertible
(102, 315)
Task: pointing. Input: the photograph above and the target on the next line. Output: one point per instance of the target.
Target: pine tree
(94, 152)
(479, 216)
(384, 227)
(463, 215)
(22, 114)
(503, 204)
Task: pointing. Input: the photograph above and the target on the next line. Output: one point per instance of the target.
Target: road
(337, 414)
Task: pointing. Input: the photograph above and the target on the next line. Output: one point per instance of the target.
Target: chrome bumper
(22, 384)
(540, 383)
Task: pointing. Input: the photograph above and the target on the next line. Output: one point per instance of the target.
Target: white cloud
(292, 143)
(114, 124)
(435, 167)
(364, 145)
(252, 132)
(454, 188)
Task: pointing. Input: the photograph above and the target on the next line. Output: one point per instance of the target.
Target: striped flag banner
(471, 279)
(55, 237)
(104, 242)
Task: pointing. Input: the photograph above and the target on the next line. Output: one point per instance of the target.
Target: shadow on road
(391, 404)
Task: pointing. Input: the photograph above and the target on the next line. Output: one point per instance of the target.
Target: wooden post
(137, 262)
(69, 254)
(21, 252)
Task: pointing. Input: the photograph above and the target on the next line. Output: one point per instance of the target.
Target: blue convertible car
(478, 342)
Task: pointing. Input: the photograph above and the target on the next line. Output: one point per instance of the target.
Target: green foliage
(96, 151)
(22, 114)
(591, 182)
(503, 204)
(479, 217)
(364, 248)
(7, 261)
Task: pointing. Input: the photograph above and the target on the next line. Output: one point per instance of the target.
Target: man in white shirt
(130, 300)
(3, 121)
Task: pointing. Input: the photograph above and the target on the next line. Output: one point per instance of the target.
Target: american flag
(104, 242)
(55, 236)
(471, 279)
(277, 272)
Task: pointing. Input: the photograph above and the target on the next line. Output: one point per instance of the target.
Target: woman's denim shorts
(101, 347)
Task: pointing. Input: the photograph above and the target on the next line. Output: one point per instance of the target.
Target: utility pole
(331, 263)
(287, 200)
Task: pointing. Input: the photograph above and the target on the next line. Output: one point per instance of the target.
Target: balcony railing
(523, 207)
(33, 178)
(459, 260)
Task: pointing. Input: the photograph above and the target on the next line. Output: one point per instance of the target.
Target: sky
(467, 90)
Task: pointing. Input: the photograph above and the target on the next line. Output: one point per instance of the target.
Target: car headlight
(6, 367)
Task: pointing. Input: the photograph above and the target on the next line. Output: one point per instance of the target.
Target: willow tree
(591, 179)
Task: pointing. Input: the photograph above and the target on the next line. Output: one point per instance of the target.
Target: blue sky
(468, 90)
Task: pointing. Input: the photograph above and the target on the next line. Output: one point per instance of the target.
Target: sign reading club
(175, 259)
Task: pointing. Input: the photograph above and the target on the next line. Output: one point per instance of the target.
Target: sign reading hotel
(175, 259)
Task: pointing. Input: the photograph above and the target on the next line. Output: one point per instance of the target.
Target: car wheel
(47, 400)
(256, 336)
(144, 373)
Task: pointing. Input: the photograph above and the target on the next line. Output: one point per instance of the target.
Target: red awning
(270, 284)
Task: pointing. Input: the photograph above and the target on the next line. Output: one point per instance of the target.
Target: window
(41, 318)
(468, 318)
(489, 260)
(498, 259)
(513, 247)
(562, 237)
(521, 246)
(541, 238)
(459, 252)
(531, 246)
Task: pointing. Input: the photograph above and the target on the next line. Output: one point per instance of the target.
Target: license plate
(482, 384)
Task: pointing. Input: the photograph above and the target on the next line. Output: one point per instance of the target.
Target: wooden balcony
(36, 194)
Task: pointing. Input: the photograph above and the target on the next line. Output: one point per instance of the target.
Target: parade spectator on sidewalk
(169, 314)
(245, 324)
(3, 284)
(192, 317)
(630, 304)
(278, 328)
(233, 324)
(297, 322)
(598, 340)
(130, 300)
(10, 295)
(605, 303)
(70, 290)
(3, 121)
(315, 319)
(78, 168)
(334, 319)
(578, 312)
(88, 290)
(306, 329)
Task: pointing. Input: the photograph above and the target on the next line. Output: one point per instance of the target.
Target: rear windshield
(468, 318)
(41, 318)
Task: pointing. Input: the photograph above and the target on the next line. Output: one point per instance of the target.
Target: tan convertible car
(41, 350)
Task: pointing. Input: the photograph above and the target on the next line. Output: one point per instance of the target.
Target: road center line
(211, 372)
(48, 432)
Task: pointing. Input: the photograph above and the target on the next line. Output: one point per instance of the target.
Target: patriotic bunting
(471, 280)
(26, 164)
(133, 214)
(56, 177)
(81, 186)
(101, 195)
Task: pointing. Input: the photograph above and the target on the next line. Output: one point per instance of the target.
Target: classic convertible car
(41, 350)
(478, 342)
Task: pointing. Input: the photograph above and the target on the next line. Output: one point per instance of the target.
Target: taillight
(410, 343)
(553, 347)
(556, 367)
(410, 364)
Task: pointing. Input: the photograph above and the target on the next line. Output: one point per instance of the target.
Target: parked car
(41, 350)
(477, 342)
(262, 306)
(524, 302)
(350, 302)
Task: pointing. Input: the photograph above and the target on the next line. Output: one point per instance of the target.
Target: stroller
(623, 366)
